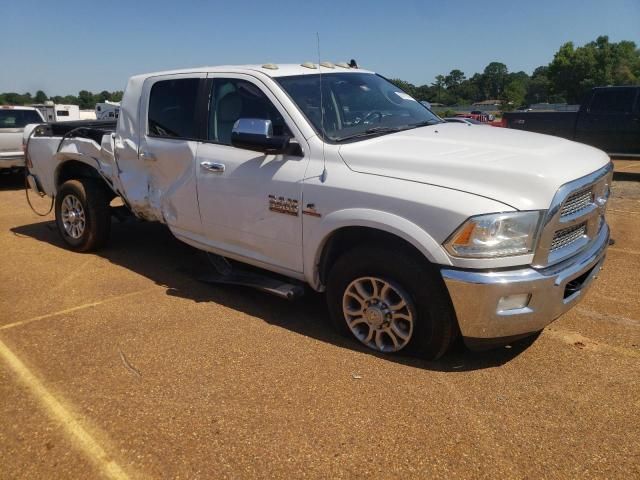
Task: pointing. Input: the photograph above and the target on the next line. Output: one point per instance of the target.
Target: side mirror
(257, 134)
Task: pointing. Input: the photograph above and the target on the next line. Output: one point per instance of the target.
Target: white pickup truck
(418, 230)
(12, 123)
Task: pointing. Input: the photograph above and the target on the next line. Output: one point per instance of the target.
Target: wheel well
(72, 169)
(347, 238)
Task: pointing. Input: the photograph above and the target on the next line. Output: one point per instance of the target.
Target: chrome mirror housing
(257, 134)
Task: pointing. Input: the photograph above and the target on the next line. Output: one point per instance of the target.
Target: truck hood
(521, 169)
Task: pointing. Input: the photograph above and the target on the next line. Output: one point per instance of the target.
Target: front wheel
(391, 302)
(82, 214)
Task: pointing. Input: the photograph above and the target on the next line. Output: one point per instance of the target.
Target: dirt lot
(121, 364)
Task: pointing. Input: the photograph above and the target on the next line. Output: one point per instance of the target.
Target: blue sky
(66, 45)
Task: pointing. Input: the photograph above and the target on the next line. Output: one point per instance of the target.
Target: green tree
(573, 71)
(539, 86)
(117, 96)
(472, 89)
(439, 85)
(13, 98)
(70, 100)
(103, 96)
(424, 92)
(404, 85)
(494, 79)
(86, 100)
(40, 97)
(514, 94)
(454, 79)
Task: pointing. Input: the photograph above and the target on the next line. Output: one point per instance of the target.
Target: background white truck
(418, 230)
(12, 123)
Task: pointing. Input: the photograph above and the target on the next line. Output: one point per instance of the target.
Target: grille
(577, 202)
(567, 236)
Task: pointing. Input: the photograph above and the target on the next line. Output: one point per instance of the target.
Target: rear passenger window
(172, 108)
(613, 101)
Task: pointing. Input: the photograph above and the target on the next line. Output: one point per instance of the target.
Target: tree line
(572, 72)
(85, 100)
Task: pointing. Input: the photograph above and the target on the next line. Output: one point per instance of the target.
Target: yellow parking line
(85, 442)
(73, 309)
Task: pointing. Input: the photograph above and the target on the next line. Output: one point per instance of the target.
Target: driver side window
(232, 99)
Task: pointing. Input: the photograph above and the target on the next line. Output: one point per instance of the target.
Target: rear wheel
(391, 302)
(82, 214)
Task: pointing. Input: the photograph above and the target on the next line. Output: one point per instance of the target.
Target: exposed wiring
(26, 182)
(26, 191)
(68, 135)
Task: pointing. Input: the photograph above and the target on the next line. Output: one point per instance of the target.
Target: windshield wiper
(426, 123)
(370, 131)
(375, 130)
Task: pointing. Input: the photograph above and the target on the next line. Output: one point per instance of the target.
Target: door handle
(212, 167)
(148, 156)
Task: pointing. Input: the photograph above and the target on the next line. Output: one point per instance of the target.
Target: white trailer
(107, 110)
(58, 112)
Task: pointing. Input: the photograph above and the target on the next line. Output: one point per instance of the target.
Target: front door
(250, 202)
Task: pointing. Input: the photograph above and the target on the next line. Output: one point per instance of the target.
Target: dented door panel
(158, 173)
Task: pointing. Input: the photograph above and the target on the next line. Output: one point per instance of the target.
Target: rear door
(167, 151)
(609, 121)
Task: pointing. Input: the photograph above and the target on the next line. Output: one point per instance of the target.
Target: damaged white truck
(417, 230)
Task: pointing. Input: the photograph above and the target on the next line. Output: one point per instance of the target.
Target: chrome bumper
(12, 160)
(552, 291)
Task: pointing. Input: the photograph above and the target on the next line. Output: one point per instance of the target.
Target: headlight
(495, 235)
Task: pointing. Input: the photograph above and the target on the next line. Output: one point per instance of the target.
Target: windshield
(10, 118)
(355, 105)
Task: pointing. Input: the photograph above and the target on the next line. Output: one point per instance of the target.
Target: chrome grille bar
(576, 202)
(564, 238)
(574, 217)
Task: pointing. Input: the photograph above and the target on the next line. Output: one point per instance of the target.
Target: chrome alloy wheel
(73, 219)
(379, 313)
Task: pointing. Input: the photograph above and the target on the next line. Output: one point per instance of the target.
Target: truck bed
(91, 129)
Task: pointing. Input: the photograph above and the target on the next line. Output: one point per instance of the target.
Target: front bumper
(552, 291)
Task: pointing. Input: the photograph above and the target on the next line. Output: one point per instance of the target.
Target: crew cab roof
(282, 70)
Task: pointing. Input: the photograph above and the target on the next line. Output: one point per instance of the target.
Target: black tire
(435, 326)
(94, 199)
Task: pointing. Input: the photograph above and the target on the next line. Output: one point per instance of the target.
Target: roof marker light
(270, 66)
(308, 65)
(327, 65)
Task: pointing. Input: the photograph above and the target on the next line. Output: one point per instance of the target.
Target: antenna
(323, 177)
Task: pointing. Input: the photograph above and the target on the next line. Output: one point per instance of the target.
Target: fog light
(513, 302)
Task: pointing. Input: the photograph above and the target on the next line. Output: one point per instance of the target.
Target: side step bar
(227, 274)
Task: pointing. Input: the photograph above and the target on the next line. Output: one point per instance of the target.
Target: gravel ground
(121, 364)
